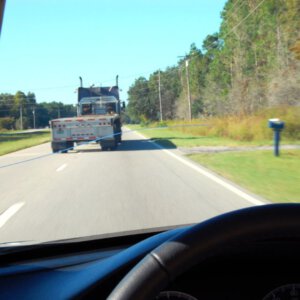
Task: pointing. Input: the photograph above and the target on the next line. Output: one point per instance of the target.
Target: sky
(45, 45)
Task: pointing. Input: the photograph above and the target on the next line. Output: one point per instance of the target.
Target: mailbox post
(277, 126)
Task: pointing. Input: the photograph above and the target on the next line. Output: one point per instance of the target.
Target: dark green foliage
(11, 106)
(250, 64)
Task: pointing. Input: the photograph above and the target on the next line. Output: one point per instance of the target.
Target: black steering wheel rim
(204, 240)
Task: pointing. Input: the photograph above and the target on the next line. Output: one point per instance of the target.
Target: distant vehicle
(98, 119)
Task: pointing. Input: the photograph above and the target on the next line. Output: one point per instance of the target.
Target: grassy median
(10, 142)
(275, 178)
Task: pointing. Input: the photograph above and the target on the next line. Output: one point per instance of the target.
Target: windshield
(98, 106)
(125, 116)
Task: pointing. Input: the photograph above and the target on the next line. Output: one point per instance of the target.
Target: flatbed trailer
(98, 119)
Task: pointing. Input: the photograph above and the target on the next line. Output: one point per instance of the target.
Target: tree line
(250, 64)
(21, 111)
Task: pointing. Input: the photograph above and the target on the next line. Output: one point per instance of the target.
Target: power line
(237, 5)
(74, 86)
(233, 28)
(236, 10)
(230, 31)
(234, 5)
(2, 102)
(254, 9)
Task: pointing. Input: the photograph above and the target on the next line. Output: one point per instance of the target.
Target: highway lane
(89, 192)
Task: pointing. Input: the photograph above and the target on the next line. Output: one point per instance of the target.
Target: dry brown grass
(245, 127)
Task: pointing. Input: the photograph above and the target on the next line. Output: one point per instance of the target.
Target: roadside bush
(6, 123)
(144, 121)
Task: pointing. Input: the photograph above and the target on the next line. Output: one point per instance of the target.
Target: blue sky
(47, 44)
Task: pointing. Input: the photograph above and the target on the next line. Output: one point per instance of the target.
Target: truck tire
(54, 150)
(118, 130)
(59, 147)
(108, 144)
(70, 145)
(55, 147)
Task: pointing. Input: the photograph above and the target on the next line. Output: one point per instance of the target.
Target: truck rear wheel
(70, 145)
(108, 145)
(60, 146)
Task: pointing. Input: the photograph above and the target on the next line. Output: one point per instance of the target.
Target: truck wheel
(59, 147)
(70, 145)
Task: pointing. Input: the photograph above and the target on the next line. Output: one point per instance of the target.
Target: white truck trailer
(98, 119)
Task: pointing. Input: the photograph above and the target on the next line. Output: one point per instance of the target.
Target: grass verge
(176, 138)
(10, 142)
(275, 178)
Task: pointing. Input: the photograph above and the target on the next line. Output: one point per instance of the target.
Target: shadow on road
(86, 150)
(129, 145)
(142, 145)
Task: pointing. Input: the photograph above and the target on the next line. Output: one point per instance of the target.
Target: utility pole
(58, 112)
(21, 116)
(33, 112)
(188, 88)
(159, 95)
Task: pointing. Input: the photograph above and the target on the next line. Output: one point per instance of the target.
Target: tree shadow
(145, 145)
(131, 145)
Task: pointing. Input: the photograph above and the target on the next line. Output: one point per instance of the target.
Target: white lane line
(209, 175)
(4, 217)
(61, 168)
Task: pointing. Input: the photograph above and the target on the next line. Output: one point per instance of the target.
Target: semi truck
(98, 119)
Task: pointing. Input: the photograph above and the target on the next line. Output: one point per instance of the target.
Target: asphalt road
(89, 192)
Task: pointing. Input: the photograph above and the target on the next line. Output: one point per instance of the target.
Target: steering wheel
(207, 239)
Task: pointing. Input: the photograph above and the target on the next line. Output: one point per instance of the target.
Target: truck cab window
(111, 108)
(86, 109)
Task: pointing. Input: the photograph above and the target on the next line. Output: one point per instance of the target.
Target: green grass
(10, 142)
(171, 137)
(275, 178)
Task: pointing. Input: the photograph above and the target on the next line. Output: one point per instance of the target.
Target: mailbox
(276, 124)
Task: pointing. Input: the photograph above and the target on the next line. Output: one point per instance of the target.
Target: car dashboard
(91, 268)
(251, 274)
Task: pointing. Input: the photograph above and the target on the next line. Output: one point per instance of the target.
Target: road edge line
(211, 176)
